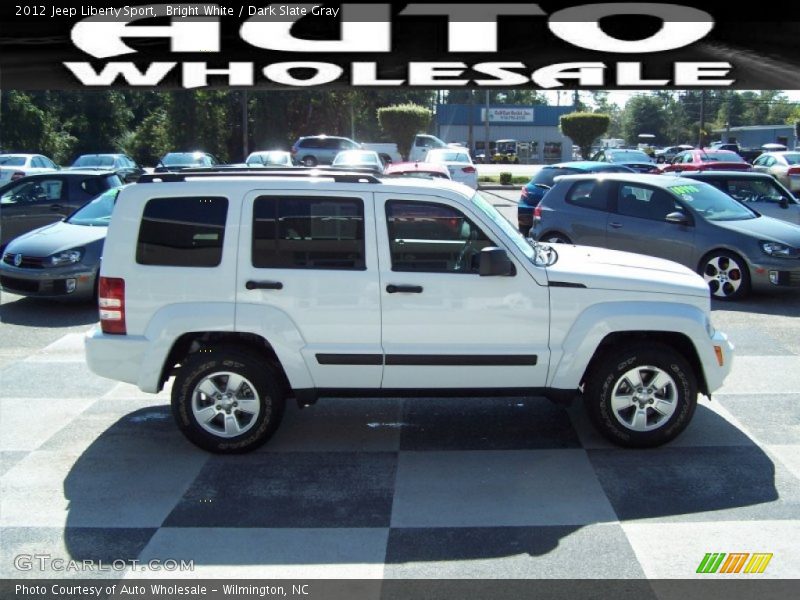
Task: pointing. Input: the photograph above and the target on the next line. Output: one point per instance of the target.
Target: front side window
(308, 233)
(756, 190)
(433, 238)
(645, 203)
(182, 232)
(38, 190)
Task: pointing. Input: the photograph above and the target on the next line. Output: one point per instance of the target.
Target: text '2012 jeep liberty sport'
(250, 288)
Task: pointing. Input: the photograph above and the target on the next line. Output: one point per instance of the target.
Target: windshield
(628, 156)
(269, 158)
(547, 175)
(98, 212)
(185, 158)
(711, 204)
(506, 146)
(539, 254)
(444, 156)
(94, 161)
(12, 161)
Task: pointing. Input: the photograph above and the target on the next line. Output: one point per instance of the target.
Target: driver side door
(443, 325)
(29, 205)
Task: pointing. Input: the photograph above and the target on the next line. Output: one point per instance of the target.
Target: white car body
(558, 314)
(422, 143)
(270, 158)
(385, 151)
(458, 163)
(29, 164)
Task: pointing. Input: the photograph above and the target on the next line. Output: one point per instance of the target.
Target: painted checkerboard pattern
(397, 488)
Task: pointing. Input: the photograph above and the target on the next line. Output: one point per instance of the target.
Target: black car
(177, 161)
(124, 166)
(37, 200)
(637, 160)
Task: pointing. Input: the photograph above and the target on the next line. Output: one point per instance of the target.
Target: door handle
(264, 285)
(615, 225)
(404, 289)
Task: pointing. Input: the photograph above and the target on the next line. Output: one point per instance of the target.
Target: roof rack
(337, 174)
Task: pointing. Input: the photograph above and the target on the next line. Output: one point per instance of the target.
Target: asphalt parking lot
(91, 469)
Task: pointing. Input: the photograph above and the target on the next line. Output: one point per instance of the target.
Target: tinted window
(308, 233)
(645, 203)
(428, 237)
(182, 232)
(585, 194)
(12, 161)
(547, 174)
(755, 190)
(310, 143)
(94, 160)
(38, 190)
(792, 159)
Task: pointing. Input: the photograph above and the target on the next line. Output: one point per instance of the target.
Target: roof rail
(337, 174)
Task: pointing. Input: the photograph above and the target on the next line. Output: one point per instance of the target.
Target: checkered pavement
(397, 488)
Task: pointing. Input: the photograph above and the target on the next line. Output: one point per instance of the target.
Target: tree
(644, 114)
(402, 122)
(584, 128)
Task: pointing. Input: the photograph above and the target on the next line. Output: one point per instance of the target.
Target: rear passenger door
(639, 224)
(308, 264)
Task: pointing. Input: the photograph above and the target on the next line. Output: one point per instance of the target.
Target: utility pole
(245, 125)
(470, 131)
(701, 133)
(486, 130)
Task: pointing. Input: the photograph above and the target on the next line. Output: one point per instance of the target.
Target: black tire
(554, 237)
(309, 161)
(261, 384)
(610, 379)
(726, 273)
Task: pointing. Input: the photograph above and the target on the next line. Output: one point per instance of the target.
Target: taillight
(468, 169)
(111, 300)
(794, 171)
(537, 213)
(17, 175)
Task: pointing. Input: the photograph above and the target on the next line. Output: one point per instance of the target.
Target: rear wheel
(309, 161)
(642, 396)
(227, 402)
(726, 274)
(554, 237)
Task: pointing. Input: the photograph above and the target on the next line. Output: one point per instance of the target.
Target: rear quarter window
(585, 195)
(182, 232)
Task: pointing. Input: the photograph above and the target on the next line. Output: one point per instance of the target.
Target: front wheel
(726, 274)
(641, 396)
(227, 402)
(309, 161)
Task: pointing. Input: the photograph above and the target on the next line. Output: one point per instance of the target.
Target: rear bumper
(119, 357)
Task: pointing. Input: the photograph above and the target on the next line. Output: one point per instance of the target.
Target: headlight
(67, 257)
(779, 250)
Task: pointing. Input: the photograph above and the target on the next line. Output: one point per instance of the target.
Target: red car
(707, 160)
(418, 169)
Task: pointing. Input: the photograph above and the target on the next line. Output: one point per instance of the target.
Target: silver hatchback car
(734, 248)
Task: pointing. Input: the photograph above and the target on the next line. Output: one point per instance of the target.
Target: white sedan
(458, 163)
(270, 158)
(14, 166)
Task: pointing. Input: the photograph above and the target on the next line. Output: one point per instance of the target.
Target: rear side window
(308, 233)
(586, 195)
(546, 175)
(182, 232)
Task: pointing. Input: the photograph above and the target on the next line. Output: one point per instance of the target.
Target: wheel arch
(205, 341)
(679, 342)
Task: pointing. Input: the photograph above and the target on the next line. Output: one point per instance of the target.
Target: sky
(621, 97)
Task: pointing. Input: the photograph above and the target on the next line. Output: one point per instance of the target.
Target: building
(536, 126)
(755, 136)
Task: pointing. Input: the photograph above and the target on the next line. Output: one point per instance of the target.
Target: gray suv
(320, 149)
(687, 221)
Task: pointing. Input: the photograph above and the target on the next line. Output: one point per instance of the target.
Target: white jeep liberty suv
(251, 287)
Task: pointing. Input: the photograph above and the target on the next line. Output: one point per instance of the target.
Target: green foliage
(402, 122)
(505, 178)
(150, 140)
(645, 114)
(584, 128)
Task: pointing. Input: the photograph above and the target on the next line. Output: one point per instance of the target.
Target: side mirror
(784, 202)
(494, 261)
(677, 218)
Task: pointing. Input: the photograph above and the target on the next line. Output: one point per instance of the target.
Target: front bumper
(771, 273)
(74, 281)
(718, 361)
